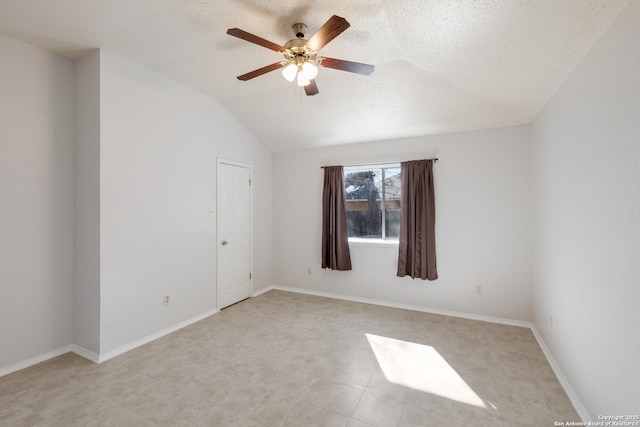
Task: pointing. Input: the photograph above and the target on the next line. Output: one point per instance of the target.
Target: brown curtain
(417, 252)
(335, 243)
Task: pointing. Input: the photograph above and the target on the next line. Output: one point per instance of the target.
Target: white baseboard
(98, 358)
(262, 291)
(83, 352)
(564, 382)
(491, 319)
(34, 360)
(145, 340)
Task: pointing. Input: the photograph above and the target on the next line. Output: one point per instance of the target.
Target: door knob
(224, 243)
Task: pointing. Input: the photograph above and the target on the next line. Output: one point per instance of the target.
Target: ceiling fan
(301, 56)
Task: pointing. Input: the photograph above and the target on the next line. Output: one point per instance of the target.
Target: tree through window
(373, 202)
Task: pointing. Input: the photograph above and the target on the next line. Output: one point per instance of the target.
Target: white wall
(36, 201)
(159, 142)
(587, 222)
(103, 215)
(86, 152)
(483, 224)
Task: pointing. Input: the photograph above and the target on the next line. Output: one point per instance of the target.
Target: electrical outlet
(167, 299)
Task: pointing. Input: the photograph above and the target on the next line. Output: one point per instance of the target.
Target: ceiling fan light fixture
(302, 81)
(309, 70)
(289, 72)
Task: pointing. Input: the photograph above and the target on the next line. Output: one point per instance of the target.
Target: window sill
(373, 242)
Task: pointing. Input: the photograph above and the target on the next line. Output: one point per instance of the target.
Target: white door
(234, 232)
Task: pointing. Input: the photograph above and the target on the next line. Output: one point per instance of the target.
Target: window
(373, 201)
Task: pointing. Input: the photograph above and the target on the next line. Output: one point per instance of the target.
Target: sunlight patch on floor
(421, 368)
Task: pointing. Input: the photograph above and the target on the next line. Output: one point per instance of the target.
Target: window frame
(375, 241)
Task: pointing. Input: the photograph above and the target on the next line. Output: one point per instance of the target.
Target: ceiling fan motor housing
(296, 48)
(299, 29)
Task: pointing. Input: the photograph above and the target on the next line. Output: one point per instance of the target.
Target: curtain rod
(435, 159)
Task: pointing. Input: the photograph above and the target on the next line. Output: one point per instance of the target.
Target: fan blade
(329, 31)
(261, 71)
(241, 34)
(352, 67)
(311, 89)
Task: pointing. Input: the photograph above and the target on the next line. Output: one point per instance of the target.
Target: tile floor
(284, 359)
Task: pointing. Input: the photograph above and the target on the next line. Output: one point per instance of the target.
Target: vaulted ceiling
(440, 65)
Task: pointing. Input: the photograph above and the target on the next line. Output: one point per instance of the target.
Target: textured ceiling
(441, 65)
